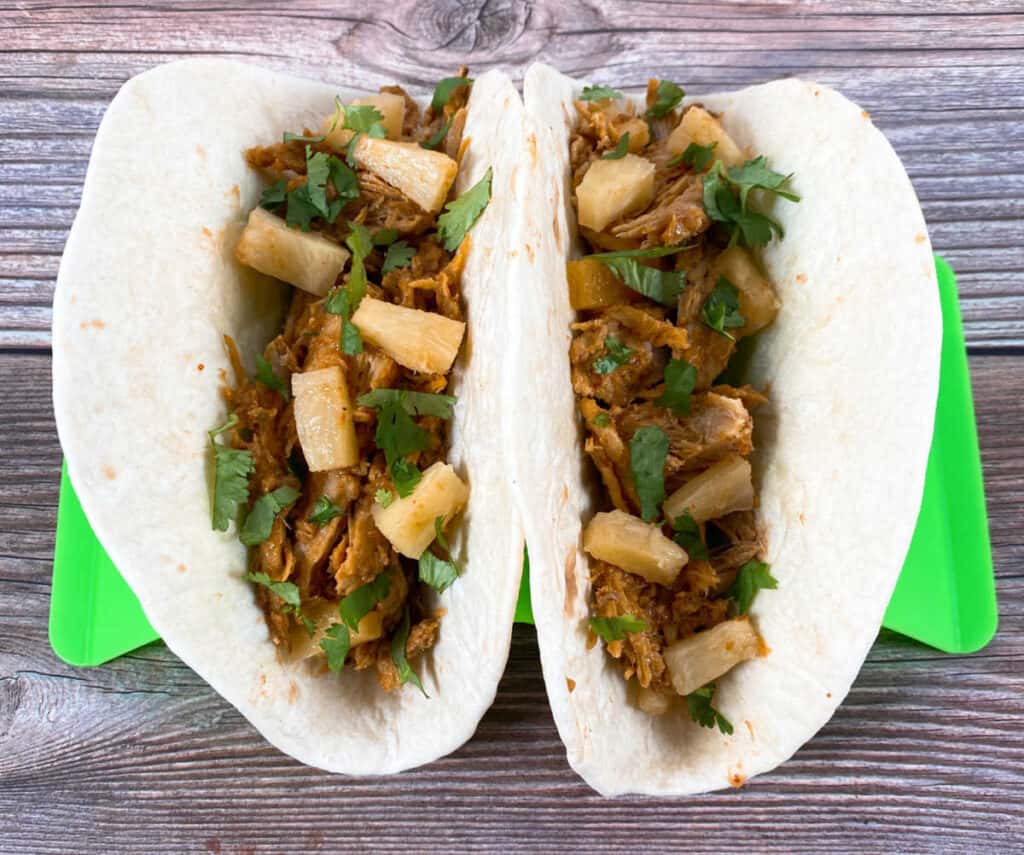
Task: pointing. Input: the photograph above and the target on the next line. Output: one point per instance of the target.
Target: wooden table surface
(926, 754)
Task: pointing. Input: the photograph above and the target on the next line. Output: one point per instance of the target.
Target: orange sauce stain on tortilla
(181, 568)
(802, 520)
(235, 195)
(570, 579)
(95, 323)
(919, 237)
(828, 694)
(554, 218)
(200, 367)
(737, 779)
(293, 692)
(531, 143)
(109, 472)
(864, 114)
(750, 727)
(801, 278)
(201, 151)
(529, 252)
(570, 683)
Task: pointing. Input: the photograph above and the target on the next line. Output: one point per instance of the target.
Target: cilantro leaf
(756, 174)
(274, 196)
(696, 155)
(362, 118)
(310, 200)
(620, 149)
(385, 237)
(722, 309)
(461, 213)
(265, 375)
(615, 628)
(721, 187)
(602, 420)
(398, 255)
(658, 285)
(351, 340)
(398, 640)
(338, 112)
(317, 172)
(667, 99)
(260, 520)
(231, 470)
(687, 535)
(287, 591)
(384, 498)
(434, 571)
(362, 600)
(753, 576)
(359, 241)
(405, 475)
(616, 355)
(324, 511)
(414, 403)
(301, 210)
(599, 93)
(698, 703)
(680, 378)
(652, 252)
(438, 138)
(397, 434)
(346, 186)
(647, 452)
(336, 643)
(445, 89)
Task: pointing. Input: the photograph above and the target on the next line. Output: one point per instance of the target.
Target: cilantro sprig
(265, 374)
(362, 119)
(615, 628)
(445, 89)
(260, 520)
(726, 194)
(437, 572)
(398, 641)
(599, 93)
(620, 150)
(399, 254)
(721, 311)
(438, 138)
(289, 594)
(231, 470)
(687, 535)
(695, 155)
(616, 355)
(364, 599)
(647, 452)
(460, 214)
(324, 511)
(699, 705)
(753, 576)
(336, 643)
(666, 99)
(309, 201)
(680, 378)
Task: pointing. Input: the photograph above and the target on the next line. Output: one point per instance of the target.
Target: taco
(729, 337)
(275, 366)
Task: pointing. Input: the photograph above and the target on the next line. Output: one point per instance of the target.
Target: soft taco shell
(147, 288)
(851, 366)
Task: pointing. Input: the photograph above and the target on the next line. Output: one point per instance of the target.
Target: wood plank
(141, 755)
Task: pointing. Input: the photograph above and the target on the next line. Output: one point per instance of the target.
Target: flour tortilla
(851, 367)
(147, 288)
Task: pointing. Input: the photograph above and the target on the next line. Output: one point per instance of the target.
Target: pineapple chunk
(389, 105)
(635, 546)
(639, 134)
(422, 341)
(423, 175)
(698, 126)
(720, 490)
(304, 259)
(323, 419)
(758, 302)
(409, 523)
(592, 285)
(324, 613)
(614, 188)
(653, 702)
(696, 661)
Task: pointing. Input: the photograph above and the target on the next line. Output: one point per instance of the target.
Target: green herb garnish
(445, 89)
(398, 255)
(260, 521)
(616, 355)
(602, 420)
(324, 511)
(461, 213)
(265, 375)
(658, 285)
(231, 470)
(721, 310)
(405, 672)
(438, 572)
(362, 600)
(385, 237)
(599, 93)
(384, 498)
(687, 535)
(289, 593)
(414, 403)
(753, 576)
(725, 199)
(680, 378)
(620, 150)
(647, 452)
(338, 111)
(696, 155)
(667, 99)
(438, 138)
(615, 628)
(336, 643)
(698, 703)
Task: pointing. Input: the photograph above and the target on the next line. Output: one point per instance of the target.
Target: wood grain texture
(924, 755)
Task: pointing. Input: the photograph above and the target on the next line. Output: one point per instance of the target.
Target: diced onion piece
(698, 126)
(323, 419)
(423, 341)
(614, 188)
(389, 105)
(635, 546)
(593, 285)
(758, 302)
(408, 523)
(652, 702)
(425, 176)
(324, 613)
(306, 260)
(698, 660)
(720, 490)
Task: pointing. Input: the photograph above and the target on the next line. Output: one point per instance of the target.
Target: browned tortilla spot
(737, 779)
(570, 579)
(181, 568)
(109, 472)
(571, 683)
(293, 692)
(95, 323)
(529, 252)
